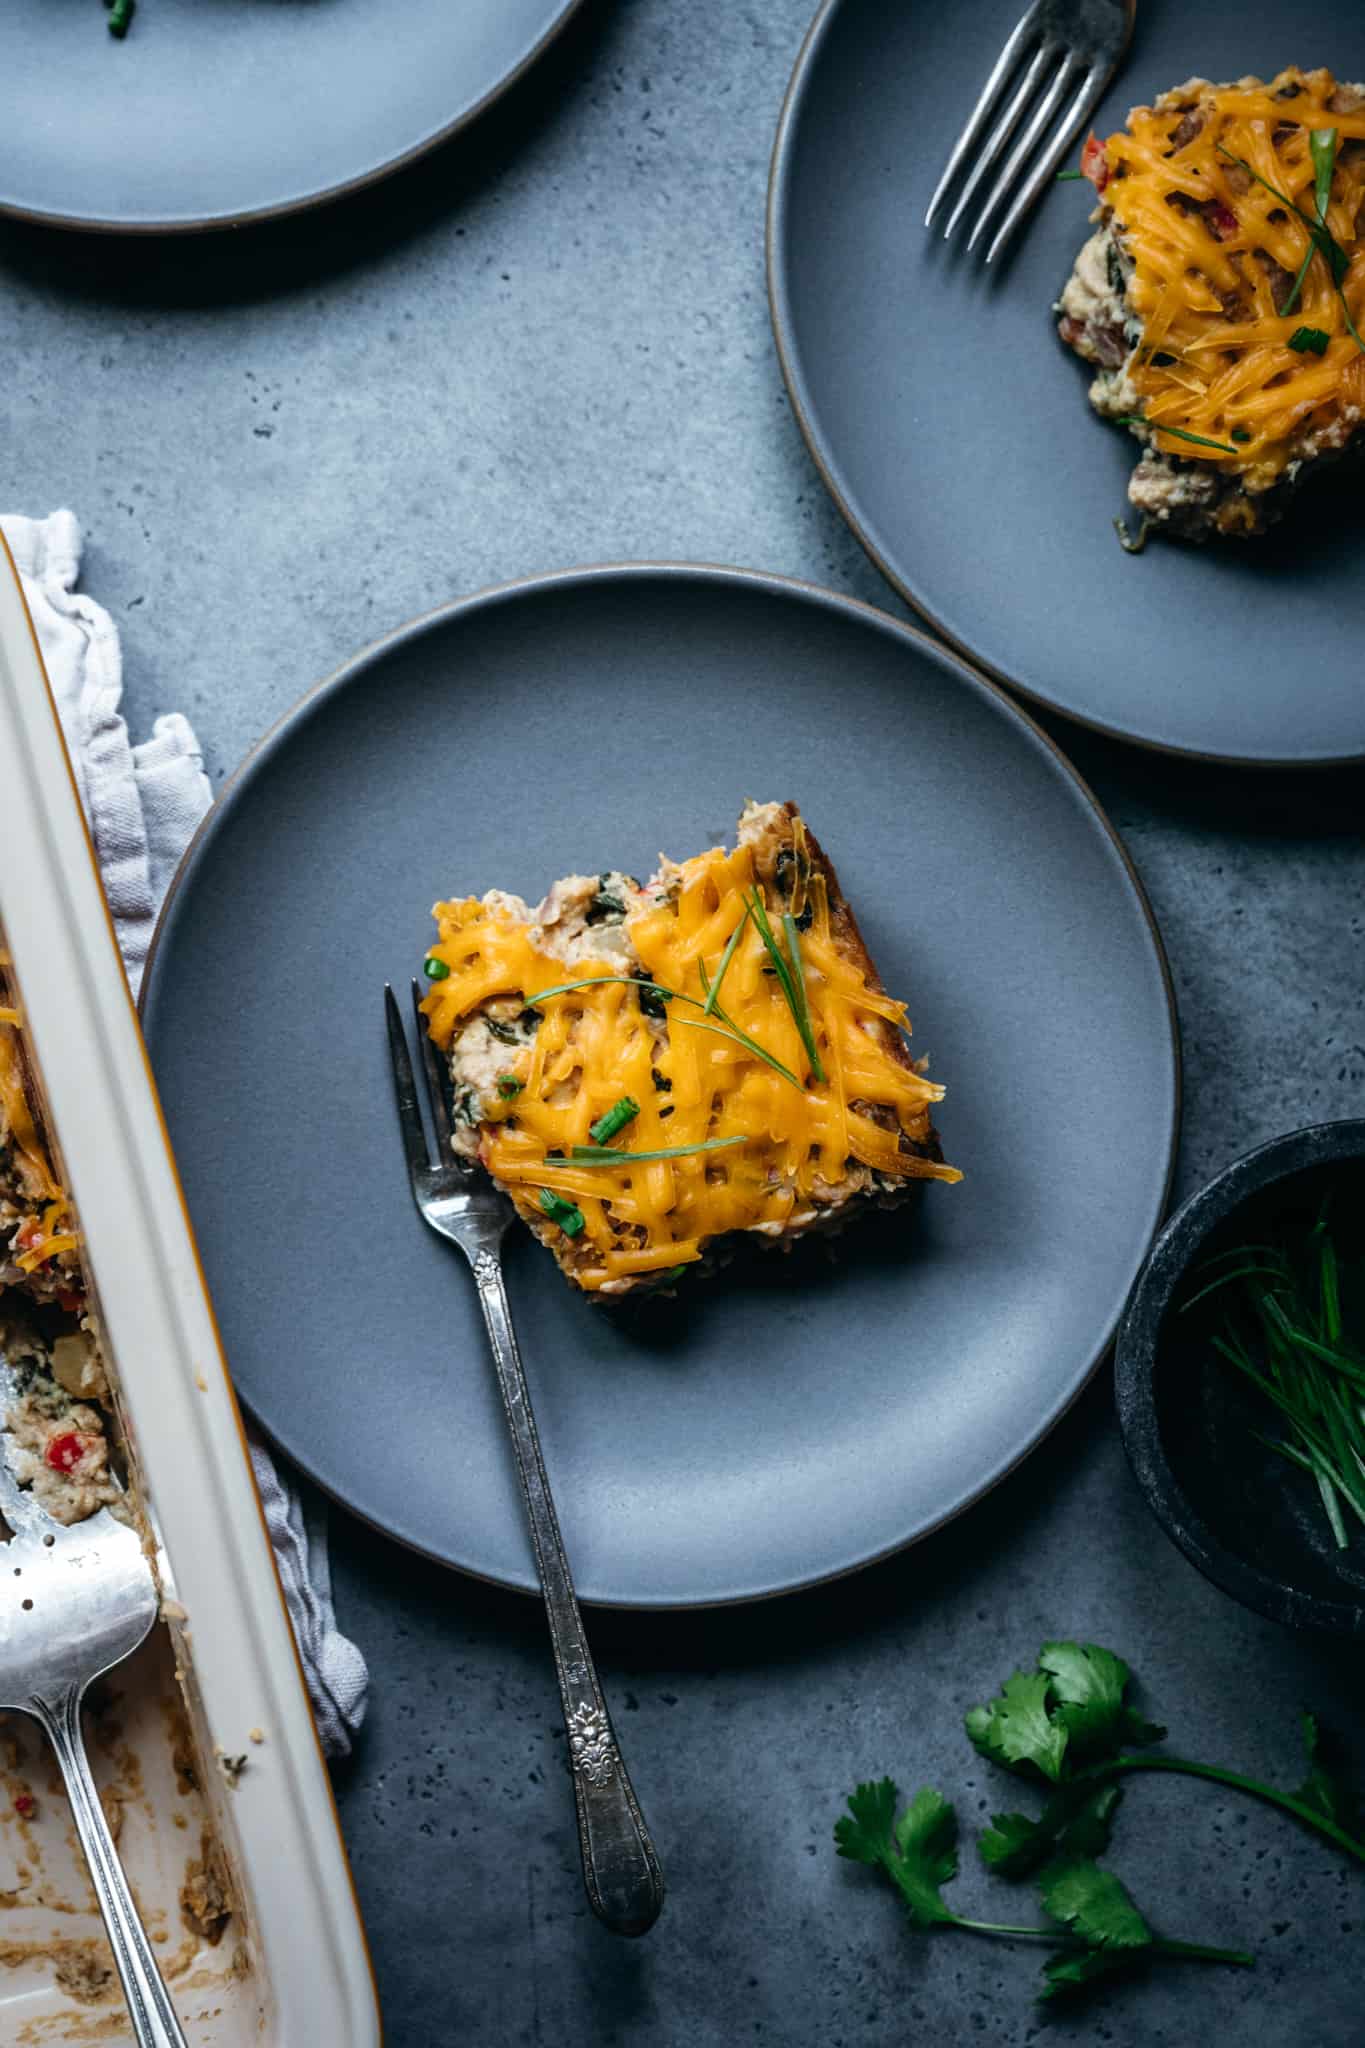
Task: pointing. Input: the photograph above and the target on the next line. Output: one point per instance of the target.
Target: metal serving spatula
(73, 1603)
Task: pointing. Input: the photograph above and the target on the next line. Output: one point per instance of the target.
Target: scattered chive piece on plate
(613, 1120)
(120, 15)
(567, 1215)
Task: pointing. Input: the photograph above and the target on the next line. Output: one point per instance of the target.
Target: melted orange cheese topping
(17, 1126)
(1215, 357)
(595, 1045)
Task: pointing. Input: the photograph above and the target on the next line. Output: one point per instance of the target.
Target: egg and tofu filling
(648, 1069)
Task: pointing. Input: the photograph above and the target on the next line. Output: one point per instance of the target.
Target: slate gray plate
(215, 112)
(796, 1417)
(952, 426)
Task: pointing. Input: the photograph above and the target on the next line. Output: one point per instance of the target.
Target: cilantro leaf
(1013, 1845)
(1065, 1975)
(1088, 1687)
(1091, 1903)
(1087, 1832)
(864, 1833)
(926, 1841)
(918, 1852)
(1077, 1821)
(1015, 1729)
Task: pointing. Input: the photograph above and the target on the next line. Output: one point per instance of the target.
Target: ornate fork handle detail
(620, 1869)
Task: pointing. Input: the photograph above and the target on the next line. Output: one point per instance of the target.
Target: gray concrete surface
(550, 344)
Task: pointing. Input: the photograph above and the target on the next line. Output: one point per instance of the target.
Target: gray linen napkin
(143, 803)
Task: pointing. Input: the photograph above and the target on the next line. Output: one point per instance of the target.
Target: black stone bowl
(1251, 1522)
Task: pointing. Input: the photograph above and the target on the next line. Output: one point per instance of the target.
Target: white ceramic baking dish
(292, 1968)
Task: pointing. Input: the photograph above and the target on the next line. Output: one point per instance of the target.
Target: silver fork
(1060, 49)
(73, 1603)
(621, 1872)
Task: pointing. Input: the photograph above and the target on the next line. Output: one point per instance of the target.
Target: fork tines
(1060, 55)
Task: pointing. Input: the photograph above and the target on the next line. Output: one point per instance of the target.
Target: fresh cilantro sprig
(1069, 1723)
(1096, 1927)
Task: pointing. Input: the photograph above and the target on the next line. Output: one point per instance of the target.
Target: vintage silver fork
(1059, 47)
(621, 1872)
(75, 1602)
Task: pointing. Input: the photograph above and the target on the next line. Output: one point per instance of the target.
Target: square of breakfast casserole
(654, 1072)
(1222, 295)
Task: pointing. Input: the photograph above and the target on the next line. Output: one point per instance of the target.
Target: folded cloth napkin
(143, 804)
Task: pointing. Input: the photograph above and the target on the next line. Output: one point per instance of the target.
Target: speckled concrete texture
(550, 344)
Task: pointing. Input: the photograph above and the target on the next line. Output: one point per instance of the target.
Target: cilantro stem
(1196, 1952)
(1192, 1951)
(1185, 1767)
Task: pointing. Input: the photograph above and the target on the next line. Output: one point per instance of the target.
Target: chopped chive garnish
(567, 1215)
(670, 995)
(1063, 176)
(1322, 142)
(508, 1086)
(600, 1155)
(795, 998)
(1137, 419)
(120, 14)
(565, 988)
(434, 969)
(613, 1120)
(1309, 341)
(1241, 434)
(733, 1032)
(726, 957)
(789, 926)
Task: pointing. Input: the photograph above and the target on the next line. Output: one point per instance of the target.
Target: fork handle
(621, 1872)
(149, 2007)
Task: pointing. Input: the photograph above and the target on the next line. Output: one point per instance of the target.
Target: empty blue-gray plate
(952, 426)
(794, 1417)
(216, 112)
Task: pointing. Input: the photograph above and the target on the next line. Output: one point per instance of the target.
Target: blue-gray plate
(794, 1417)
(213, 112)
(952, 426)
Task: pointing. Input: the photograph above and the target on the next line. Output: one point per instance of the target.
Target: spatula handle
(621, 1872)
(149, 2007)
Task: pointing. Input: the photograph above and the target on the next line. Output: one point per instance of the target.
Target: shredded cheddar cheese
(1214, 253)
(596, 1044)
(17, 1126)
